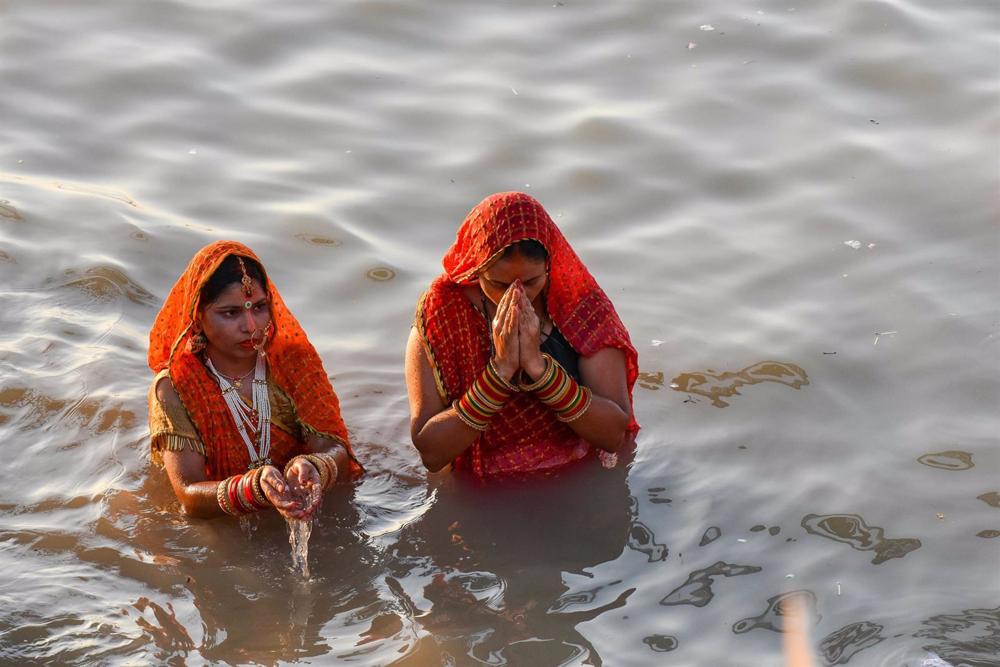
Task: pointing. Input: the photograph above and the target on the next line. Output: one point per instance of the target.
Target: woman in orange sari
(517, 361)
(241, 413)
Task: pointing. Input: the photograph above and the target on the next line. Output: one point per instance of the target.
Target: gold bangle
(258, 490)
(588, 397)
(222, 496)
(504, 381)
(290, 462)
(320, 467)
(332, 469)
(466, 419)
(547, 374)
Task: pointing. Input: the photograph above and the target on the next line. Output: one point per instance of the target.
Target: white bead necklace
(257, 417)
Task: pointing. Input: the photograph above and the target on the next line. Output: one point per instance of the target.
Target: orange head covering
(293, 365)
(525, 435)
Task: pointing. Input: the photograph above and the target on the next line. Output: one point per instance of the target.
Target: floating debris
(988, 534)
(879, 334)
(381, 274)
(656, 343)
(514, 90)
(706, 28)
(853, 244)
(949, 460)
(692, 45)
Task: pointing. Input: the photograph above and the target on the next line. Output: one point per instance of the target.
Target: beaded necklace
(257, 417)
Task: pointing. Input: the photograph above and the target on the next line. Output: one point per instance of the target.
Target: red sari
(292, 364)
(525, 435)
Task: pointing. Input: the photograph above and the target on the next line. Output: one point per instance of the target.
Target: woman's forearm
(199, 499)
(603, 424)
(443, 438)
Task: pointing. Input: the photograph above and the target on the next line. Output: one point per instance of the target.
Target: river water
(794, 206)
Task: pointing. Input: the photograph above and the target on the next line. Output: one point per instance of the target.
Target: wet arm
(606, 420)
(436, 429)
(196, 493)
(318, 444)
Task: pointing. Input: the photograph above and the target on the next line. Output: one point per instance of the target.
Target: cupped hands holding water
(296, 494)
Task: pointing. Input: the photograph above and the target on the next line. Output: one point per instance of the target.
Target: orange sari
(525, 435)
(293, 365)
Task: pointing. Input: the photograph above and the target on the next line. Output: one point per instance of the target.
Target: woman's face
(231, 328)
(533, 274)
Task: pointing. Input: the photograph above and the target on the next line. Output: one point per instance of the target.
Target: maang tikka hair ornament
(247, 282)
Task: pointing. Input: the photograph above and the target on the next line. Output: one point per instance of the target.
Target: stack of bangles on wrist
(484, 398)
(560, 392)
(325, 465)
(242, 494)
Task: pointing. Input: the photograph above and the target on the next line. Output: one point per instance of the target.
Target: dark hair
(527, 248)
(229, 272)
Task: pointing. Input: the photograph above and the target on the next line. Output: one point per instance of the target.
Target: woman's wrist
(535, 367)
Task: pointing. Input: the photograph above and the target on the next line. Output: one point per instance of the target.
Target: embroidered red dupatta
(293, 365)
(524, 435)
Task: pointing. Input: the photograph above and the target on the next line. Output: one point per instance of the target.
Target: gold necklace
(237, 381)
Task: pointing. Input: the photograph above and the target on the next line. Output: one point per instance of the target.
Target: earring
(197, 343)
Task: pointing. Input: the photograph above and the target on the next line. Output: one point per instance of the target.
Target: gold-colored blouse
(171, 428)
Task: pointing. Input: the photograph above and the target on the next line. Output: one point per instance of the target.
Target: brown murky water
(794, 207)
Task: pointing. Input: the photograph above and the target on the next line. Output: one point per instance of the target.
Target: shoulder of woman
(163, 387)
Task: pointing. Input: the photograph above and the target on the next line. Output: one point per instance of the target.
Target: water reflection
(8, 211)
(660, 643)
(971, 637)
(381, 274)
(697, 590)
(108, 282)
(484, 568)
(318, 240)
(949, 460)
(641, 538)
(992, 498)
(652, 381)
(716, 386)
(838, 647)
(712, 533)
(778, 614)
(852, 530)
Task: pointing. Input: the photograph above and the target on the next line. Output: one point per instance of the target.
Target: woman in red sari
(517, 361)
(241, 413)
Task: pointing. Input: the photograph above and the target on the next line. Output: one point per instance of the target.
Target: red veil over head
(293, 365)
(525, 435)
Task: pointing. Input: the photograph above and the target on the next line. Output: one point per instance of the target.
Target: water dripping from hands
(299, 531)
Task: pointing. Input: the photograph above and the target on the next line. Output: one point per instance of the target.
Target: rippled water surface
(793, 205)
